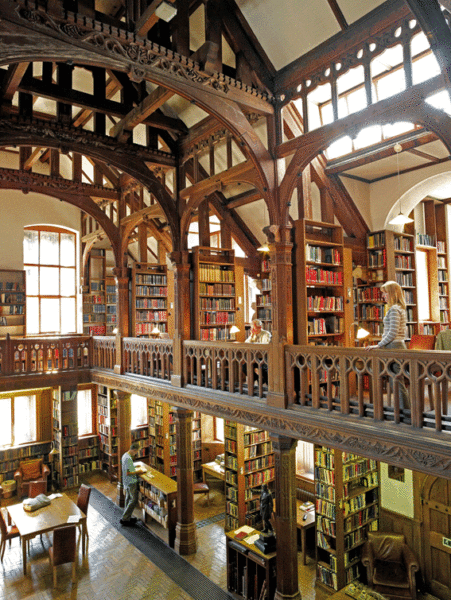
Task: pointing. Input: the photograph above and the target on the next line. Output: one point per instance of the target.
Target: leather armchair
(390, 565)
(30, 471)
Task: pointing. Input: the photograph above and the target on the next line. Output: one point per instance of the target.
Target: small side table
(303, 526)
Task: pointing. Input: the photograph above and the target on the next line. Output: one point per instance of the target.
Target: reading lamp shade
(400, 220)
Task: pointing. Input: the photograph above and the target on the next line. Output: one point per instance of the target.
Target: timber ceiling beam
(338, 14)
(137, 115)
(149, 212)
(149, 18)
(11, 80)
(106, 171)
(241, 172)
(243, 199)
(436, 29)
(33, 158)
(425, 155)
(18, 179)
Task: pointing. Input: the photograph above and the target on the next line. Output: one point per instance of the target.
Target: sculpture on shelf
(266, 508)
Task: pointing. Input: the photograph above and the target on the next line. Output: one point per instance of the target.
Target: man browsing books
(130, 483)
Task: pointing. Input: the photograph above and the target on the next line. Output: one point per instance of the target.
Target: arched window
(51, 267)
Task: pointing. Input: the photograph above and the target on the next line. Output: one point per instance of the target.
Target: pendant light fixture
(400, 219)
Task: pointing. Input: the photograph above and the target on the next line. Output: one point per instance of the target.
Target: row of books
(377, 258)
(321, 254)
(150, 303)
(403, 261)
(12, 298)
(216, 289)
(210, 272)
(325, 325)
(403, 244)
(376, 239)
(143, 290)
(326, 276)
(150, 279)
(424, 239)
(13, 309)
(93, 299)
(325, 303)
(147, 315)
(217, 318)
(214, 334)
(217, 303)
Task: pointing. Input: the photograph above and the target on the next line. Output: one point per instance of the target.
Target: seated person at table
(258, 336)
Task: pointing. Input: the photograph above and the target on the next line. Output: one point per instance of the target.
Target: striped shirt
(394, 326)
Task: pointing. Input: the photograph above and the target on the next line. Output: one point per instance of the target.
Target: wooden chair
(83, 504)
(7, 532)
(64, 549)
(36, 487)
(202, 488)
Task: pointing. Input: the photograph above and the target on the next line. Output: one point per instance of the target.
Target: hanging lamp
(400, 219)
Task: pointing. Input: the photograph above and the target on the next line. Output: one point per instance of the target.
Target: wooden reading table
(213, 469)
(303, 525)
(43, 520)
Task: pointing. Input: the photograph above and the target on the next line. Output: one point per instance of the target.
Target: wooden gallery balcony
(346, 398)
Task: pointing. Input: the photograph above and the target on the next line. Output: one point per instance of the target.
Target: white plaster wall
(413, 187)
(397, 496)
(360, 193)
(18, 210)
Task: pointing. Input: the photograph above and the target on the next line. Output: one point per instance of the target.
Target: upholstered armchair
(30, 471)
(390, 565)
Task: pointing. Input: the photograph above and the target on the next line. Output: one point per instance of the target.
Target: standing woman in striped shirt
(394, 331)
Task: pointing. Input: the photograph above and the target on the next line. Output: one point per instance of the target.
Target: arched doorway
(436, 506)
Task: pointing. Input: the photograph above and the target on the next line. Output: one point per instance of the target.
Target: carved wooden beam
(12, 80)
(149, 212)
(150, 104)
(33, 158)
(241, 172)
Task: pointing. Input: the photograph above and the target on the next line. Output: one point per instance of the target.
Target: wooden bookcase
(12, 457)
(319, 283)
(214, 293)
(391, 257)
(110, 301)
(149, 299)
(347, 506)
(249, 462)
(94, 296)
(157, 499)
(88, 454)
(12, 303)
(141, 436)
(251, 575)
(65, 437)
(107, 427)
(162, 441)
(264, 299)
(442, 266)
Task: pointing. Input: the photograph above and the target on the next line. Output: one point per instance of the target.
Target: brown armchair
(390, 565)
(30, 471)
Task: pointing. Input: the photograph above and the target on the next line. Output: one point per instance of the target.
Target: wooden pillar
(181, 31)
(213, 32)
(182, 318)
(304, 188)
(282, 325)
(185, 531)
(124, 437)
(286, 529)
(226, 235)
(122, 278)
(204, 223)
(327, 208)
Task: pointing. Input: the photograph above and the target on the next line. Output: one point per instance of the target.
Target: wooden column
(282, 324)
(122, 278)
(182, 318)
(124, 437)
(286, 529)
(204, 223)
(185, 531)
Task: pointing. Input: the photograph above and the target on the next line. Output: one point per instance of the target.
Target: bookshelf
(319, 280)
(158, 498)
(12, 303)
(264, 299)
(65, 437)
(249, 462)
(141, 436)
(12, 457)
(162, 443)
(214, 293)
(347, 506)
(110, 301)
(88, 454)
(149, 299)
(442, 267)
(250, 573)
(107, 428)
(94, 297)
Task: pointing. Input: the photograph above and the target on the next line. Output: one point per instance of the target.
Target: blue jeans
(131, 500)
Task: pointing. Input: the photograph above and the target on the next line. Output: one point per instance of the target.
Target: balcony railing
(410, 387)
(32, 356)
(147, 357)
(233, 368)
(370, 384)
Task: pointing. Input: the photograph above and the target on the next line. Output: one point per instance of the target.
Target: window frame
(59, 297)
(93, 389)
(11, 396)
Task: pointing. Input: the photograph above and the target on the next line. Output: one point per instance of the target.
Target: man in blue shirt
(130, 483)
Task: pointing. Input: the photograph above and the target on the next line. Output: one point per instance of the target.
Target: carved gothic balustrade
(409, 387)
(104, 352)
(148, 357)
(229, 367)
(28, 356)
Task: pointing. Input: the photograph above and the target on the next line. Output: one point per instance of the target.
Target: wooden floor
(115, 570)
